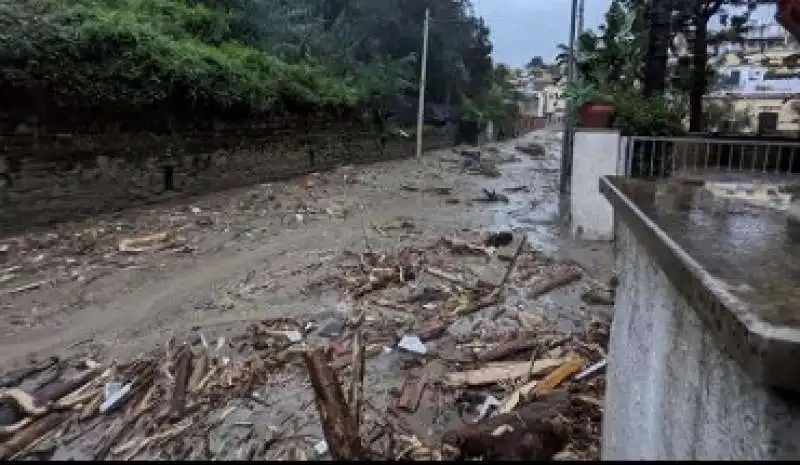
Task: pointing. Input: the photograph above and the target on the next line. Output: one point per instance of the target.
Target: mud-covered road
(115, 287)
(249, 254)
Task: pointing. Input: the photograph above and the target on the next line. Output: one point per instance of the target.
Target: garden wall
(59, 177)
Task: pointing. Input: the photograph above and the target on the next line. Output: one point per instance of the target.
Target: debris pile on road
(530, 393)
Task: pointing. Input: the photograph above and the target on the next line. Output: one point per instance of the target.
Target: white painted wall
(672, 391)
(596, 153)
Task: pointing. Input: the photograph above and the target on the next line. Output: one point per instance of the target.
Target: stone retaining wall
(67, 176)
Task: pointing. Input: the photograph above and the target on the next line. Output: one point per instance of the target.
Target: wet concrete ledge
(759, 326)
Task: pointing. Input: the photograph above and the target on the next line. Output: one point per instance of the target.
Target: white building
(755, 80)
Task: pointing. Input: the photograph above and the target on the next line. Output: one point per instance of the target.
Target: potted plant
(594, 109)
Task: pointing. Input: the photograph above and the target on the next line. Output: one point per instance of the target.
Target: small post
(423, 72)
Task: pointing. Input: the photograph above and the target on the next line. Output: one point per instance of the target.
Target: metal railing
(658, 157)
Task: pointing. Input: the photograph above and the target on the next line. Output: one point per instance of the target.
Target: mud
(266, 252)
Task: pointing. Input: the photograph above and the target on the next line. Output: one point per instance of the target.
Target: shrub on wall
(163, 55)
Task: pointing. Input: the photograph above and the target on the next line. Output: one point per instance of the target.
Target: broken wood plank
(552, 283)
(499, 371)
(558, 376)
(411, 393)
(518, 397)
(340, 430)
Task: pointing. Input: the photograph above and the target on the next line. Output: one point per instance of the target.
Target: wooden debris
(561, 279)
(449, 277)
(433, 330)
(24, 288)
(512, 264)
(157, 241)
(29, 434)
(357, 383)
(535, 432)
(183, 368)
(411, 393)
(509, 348)
(461, 246)
(340, 430)
(519, 396)
(558, 376)
(499, 371)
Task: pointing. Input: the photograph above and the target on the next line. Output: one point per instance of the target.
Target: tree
(536, 62)
(235, 57)
(655, 73)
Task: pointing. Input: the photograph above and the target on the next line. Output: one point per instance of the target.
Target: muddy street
(406, 252)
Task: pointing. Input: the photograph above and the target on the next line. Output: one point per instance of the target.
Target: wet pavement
(739, 238)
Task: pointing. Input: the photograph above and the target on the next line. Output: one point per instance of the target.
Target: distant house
(755, 99)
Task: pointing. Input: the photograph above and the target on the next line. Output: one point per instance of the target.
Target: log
(26, 436)
(509, 348)
(340, 429)
(183, 370)
(535, 432)
(552, 283)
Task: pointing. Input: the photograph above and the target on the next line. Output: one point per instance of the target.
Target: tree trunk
(699, 75)
(338, 425)
(655, 73)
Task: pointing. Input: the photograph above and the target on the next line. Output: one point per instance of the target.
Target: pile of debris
(532, 149)
(536, 394)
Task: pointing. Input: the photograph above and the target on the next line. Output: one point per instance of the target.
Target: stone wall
(64, 177)
(673, 393)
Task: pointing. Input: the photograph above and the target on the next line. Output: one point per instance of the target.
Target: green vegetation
(236, 58)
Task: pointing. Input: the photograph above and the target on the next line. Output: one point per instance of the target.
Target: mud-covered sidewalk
(233, 300)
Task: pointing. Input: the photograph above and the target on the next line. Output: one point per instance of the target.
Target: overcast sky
(522, 29)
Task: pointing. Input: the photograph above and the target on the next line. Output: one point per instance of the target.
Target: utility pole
(422, 73)
(580, 17)
(566, 147)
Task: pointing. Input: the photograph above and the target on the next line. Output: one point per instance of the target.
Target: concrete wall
(596, 153)
(671, 392)
(50, 183)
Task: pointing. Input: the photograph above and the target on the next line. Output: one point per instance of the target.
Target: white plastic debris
(413, 344)
(595, 368)
(113, 393)
(489, 402)
(321, 448)
(292, 335)
(196, 210)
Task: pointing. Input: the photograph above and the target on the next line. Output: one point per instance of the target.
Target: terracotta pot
(597, 115)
